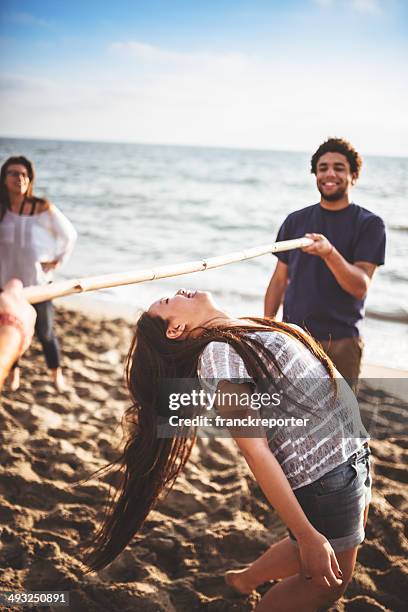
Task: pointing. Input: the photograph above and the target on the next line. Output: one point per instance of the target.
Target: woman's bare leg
(279, 561)
(296, 593)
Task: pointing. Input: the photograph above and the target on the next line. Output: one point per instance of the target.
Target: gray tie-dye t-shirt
(334, 431)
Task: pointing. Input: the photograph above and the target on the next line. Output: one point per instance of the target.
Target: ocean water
(141, 206)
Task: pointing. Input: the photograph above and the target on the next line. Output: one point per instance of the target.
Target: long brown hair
(149, 465)
(4, 195)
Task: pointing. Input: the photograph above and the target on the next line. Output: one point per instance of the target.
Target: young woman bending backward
(318, 481)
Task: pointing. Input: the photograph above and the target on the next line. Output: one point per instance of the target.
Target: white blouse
(26, 241)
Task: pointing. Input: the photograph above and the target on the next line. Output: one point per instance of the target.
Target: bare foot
(237, 579)
(14, 379)
(58, 380)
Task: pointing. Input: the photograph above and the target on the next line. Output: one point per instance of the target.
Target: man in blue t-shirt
(324, 286)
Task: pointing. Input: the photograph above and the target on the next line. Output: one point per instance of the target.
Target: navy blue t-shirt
(314, 299)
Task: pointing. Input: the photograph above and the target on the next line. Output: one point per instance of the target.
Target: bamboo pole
(40, 293)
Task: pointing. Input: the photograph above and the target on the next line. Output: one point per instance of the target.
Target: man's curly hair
(338, 145)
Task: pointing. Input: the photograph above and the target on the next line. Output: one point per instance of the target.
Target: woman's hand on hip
(318, 560)
(49, 265)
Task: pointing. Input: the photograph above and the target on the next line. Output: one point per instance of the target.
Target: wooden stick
(40, 293)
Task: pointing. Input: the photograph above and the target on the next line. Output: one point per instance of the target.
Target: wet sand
(214, 519)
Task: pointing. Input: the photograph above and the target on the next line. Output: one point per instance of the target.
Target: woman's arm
(17, 319)
(317, 556)
(65, 235)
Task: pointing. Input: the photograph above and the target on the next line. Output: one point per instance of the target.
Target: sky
(258, 74)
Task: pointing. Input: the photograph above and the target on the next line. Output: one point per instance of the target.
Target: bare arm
(17, 320)
(10, 339)
(317, 556)
(276, 289)
(65, 234)
(353, 278)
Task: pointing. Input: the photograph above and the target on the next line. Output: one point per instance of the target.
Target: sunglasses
(16, 174)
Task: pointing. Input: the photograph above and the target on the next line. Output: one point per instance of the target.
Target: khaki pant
(346, 355)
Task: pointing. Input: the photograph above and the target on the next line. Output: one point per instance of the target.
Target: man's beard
(335, 196)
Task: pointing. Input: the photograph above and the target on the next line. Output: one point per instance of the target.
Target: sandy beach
(214, 519)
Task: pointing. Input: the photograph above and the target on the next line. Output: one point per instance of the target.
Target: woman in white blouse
(35, 238)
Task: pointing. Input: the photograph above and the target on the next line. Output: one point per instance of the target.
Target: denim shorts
(335, 503)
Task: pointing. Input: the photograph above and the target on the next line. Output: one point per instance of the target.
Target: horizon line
(188, 146)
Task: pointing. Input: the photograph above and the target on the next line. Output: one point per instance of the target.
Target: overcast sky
(253, 73)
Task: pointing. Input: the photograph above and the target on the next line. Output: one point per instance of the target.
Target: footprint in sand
(389, 470)
(373, 555)
(125, 568)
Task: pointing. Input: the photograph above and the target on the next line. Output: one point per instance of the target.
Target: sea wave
(251, 181)
(400, 315)
(399, 228)
(397, 276)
